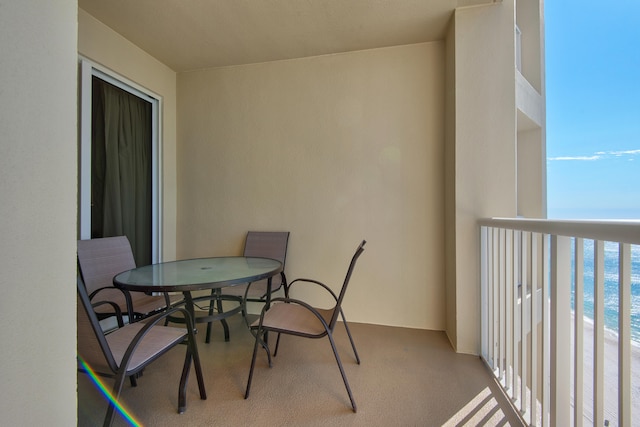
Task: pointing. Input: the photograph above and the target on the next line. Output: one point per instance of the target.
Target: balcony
(408, 377)
(539, 278)
(573, 281)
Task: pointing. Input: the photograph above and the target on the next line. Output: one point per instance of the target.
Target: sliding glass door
(119, 192)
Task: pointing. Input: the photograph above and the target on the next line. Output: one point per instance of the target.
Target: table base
(214, 314)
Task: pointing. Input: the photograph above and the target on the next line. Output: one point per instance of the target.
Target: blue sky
(593, 108)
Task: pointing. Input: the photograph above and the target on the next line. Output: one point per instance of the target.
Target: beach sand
(610, 377)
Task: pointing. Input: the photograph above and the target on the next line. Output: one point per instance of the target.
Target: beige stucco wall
(450, 182)
(484, 152)
(38, 212)
(334, 149)
(105, 47)
(531, 177)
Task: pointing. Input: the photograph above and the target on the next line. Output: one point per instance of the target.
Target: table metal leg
(188, 304)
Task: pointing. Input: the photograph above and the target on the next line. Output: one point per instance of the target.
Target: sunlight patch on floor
(482, 410)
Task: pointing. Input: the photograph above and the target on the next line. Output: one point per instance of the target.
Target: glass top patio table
(197, 274)
(201, 274)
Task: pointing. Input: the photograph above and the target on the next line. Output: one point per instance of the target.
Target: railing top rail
(623, 231)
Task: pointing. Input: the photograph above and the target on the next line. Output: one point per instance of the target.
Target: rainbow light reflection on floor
(103, 389)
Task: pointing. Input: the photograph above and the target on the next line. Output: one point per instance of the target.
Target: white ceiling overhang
(195, 34)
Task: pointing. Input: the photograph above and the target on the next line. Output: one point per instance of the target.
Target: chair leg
(344, 376)
(115, 394)
(244, 315)
(253, 364)
(198, 367)
(275, 353)
(191, 354)
(182, 389)
(355, 352)
(263, 343)
(134, 378)
(266, 350)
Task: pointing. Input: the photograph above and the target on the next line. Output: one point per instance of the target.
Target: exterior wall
(450, 182)
(38, 113)
(334, 149)
(531, 175)
(328, 180)
(530, 20)
(531, 104)
(485, 149)
(104, 46)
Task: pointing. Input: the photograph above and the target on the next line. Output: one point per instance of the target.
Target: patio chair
(295, 317)
(262, 244)
(126, 351)
(99, 260)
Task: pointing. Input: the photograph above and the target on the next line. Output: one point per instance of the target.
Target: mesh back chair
(295, 317)
(128, 350)
(99, 261)
(262, 244)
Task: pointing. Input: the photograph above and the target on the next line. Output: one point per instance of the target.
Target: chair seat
(129, 349)
(294, 318)
(158, 340)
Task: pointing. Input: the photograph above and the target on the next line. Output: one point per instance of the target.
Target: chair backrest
(267, 244)
(336, 310)
(92, 345)
(101, 259)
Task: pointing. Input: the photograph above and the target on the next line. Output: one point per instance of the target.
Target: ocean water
(610, 286)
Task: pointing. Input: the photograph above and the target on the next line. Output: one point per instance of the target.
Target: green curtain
(121, 168)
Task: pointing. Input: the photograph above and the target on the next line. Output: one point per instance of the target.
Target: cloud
(624, 153)
(600, 155)
(588, 158)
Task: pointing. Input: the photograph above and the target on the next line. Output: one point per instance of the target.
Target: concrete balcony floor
(407, 377)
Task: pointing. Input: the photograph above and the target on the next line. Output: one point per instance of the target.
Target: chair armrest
(150, 323)
(127, 298)
(297, 302)
(315, 282)
(116, 309)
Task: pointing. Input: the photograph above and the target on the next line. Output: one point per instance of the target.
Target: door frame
(88, 69)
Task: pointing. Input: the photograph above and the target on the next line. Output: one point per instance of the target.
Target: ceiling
(194, 34)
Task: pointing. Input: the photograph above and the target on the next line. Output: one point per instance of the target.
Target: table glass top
(195, 274)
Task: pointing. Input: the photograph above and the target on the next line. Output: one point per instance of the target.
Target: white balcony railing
(578, 284)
